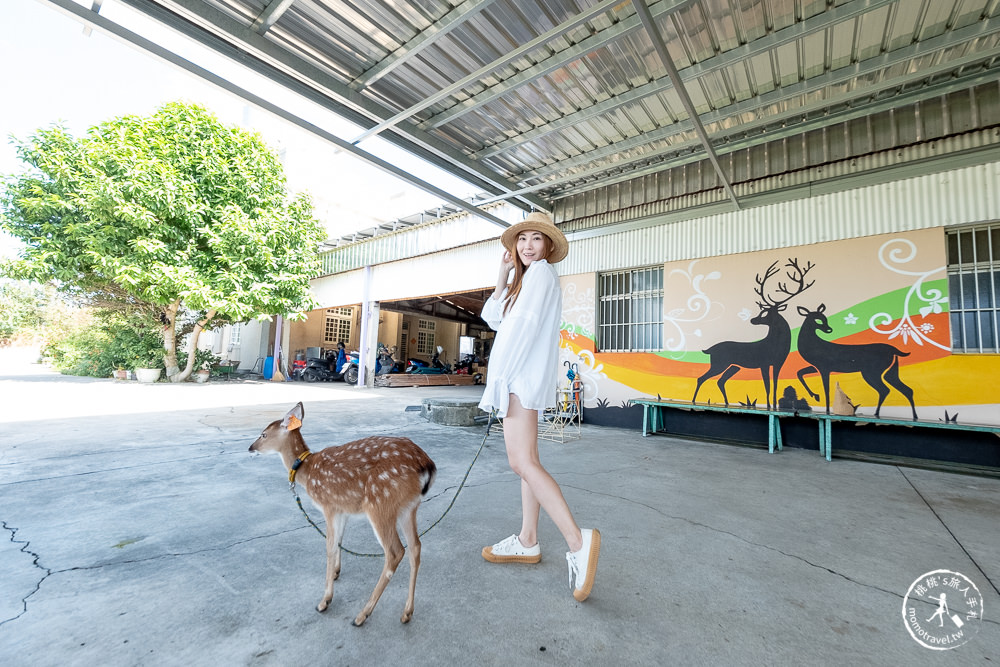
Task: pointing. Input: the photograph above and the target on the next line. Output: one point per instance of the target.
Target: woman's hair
(515, 286)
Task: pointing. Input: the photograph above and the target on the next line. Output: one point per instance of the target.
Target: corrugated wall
(970, 194)
(960, 196)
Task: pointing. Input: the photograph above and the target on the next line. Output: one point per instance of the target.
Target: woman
(522, 379)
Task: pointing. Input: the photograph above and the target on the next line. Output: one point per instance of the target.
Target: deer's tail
(427, 474)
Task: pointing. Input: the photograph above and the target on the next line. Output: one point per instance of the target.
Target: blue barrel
(268, 368)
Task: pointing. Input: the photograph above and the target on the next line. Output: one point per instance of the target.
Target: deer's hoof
(360, 620)
(407, 616)
(322, 606)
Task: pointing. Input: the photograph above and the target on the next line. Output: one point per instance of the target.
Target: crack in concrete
(698, 524)
(83, 568)
(34, 562)
(945, 526)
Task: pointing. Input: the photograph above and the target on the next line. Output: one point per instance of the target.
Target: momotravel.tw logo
(942, 610)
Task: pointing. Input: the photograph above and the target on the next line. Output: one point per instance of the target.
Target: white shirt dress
(525, 355)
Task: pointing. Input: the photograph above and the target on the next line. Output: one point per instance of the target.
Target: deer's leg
(775, 372)
(730, 372)
(335, 524)
(875, 381)
(892, 377)
(413, 548)
(385, 530)
(825, 377)
(802, 378)
(707, 374)
(765, 374)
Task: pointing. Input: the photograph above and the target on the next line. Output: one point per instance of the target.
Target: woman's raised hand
(506, 264)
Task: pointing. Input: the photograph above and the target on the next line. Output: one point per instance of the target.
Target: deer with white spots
(379, 476)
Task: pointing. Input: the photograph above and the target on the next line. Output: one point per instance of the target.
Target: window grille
(235, 331)
(630, 310)
(974, 288)
(425, 336)
(338, 325)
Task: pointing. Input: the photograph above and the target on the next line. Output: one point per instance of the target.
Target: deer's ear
(293, 419)
(803, 311)
(822, 308)
(781, 307)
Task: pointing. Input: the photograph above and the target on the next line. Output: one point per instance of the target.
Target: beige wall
(309, 333)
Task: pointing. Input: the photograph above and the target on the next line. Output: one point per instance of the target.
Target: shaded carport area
(138, 530)
(462, 307)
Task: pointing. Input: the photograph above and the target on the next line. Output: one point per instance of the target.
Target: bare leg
(529, 516)
(520, 431)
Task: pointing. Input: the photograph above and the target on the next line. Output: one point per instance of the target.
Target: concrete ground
(137, 530)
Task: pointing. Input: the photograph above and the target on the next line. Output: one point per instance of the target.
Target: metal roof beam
(806, 125)
(95, 20)
(802, 88)
(561, 59)
(661, 50)
(813, 24)
(538, 42)
(425, 38)
(271, 14)
(788, 129)
(232, 39)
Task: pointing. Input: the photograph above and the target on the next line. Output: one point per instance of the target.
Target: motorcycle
(319, 369)
(464, 367)
(385, 364)
(435, 367)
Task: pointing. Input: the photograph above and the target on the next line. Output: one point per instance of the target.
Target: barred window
(425, 336)
(630, 310)
(235, 332)
(974, 288)
(338, 325)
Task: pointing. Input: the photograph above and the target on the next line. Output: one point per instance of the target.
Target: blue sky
(54, 73)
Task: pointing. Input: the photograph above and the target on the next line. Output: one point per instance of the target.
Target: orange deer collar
(296, 465)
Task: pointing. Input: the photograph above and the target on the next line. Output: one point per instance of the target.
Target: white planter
(202, 376)
(148, 374)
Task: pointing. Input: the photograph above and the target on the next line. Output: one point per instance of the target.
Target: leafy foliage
(21, 309)
(103, 342)
(170, 213)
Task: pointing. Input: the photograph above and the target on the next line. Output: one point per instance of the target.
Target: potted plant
(147, 359)
(204, 360)
(120, 373)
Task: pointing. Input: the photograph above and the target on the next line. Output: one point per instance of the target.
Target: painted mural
(862, 320)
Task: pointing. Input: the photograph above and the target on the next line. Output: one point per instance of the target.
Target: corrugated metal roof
(537, 100)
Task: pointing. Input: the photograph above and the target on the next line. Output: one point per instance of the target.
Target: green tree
(173, 214)
(22, 306)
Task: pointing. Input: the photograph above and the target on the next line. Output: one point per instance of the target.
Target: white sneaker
(583, 564)
(512, 551)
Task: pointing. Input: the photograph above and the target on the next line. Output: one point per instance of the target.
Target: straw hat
(537, 222)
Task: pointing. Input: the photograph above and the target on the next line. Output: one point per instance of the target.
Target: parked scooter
(437, 363)
(464, 367)
(384, 363)
(324, 369)
(435, 367)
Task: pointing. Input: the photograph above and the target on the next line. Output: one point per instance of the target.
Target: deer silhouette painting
(769, 353)
(878, 363)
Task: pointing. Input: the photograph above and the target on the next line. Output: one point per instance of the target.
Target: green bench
(654, 413)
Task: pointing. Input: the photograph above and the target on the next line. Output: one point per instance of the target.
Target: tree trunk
(192, 346)
(170, 340)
